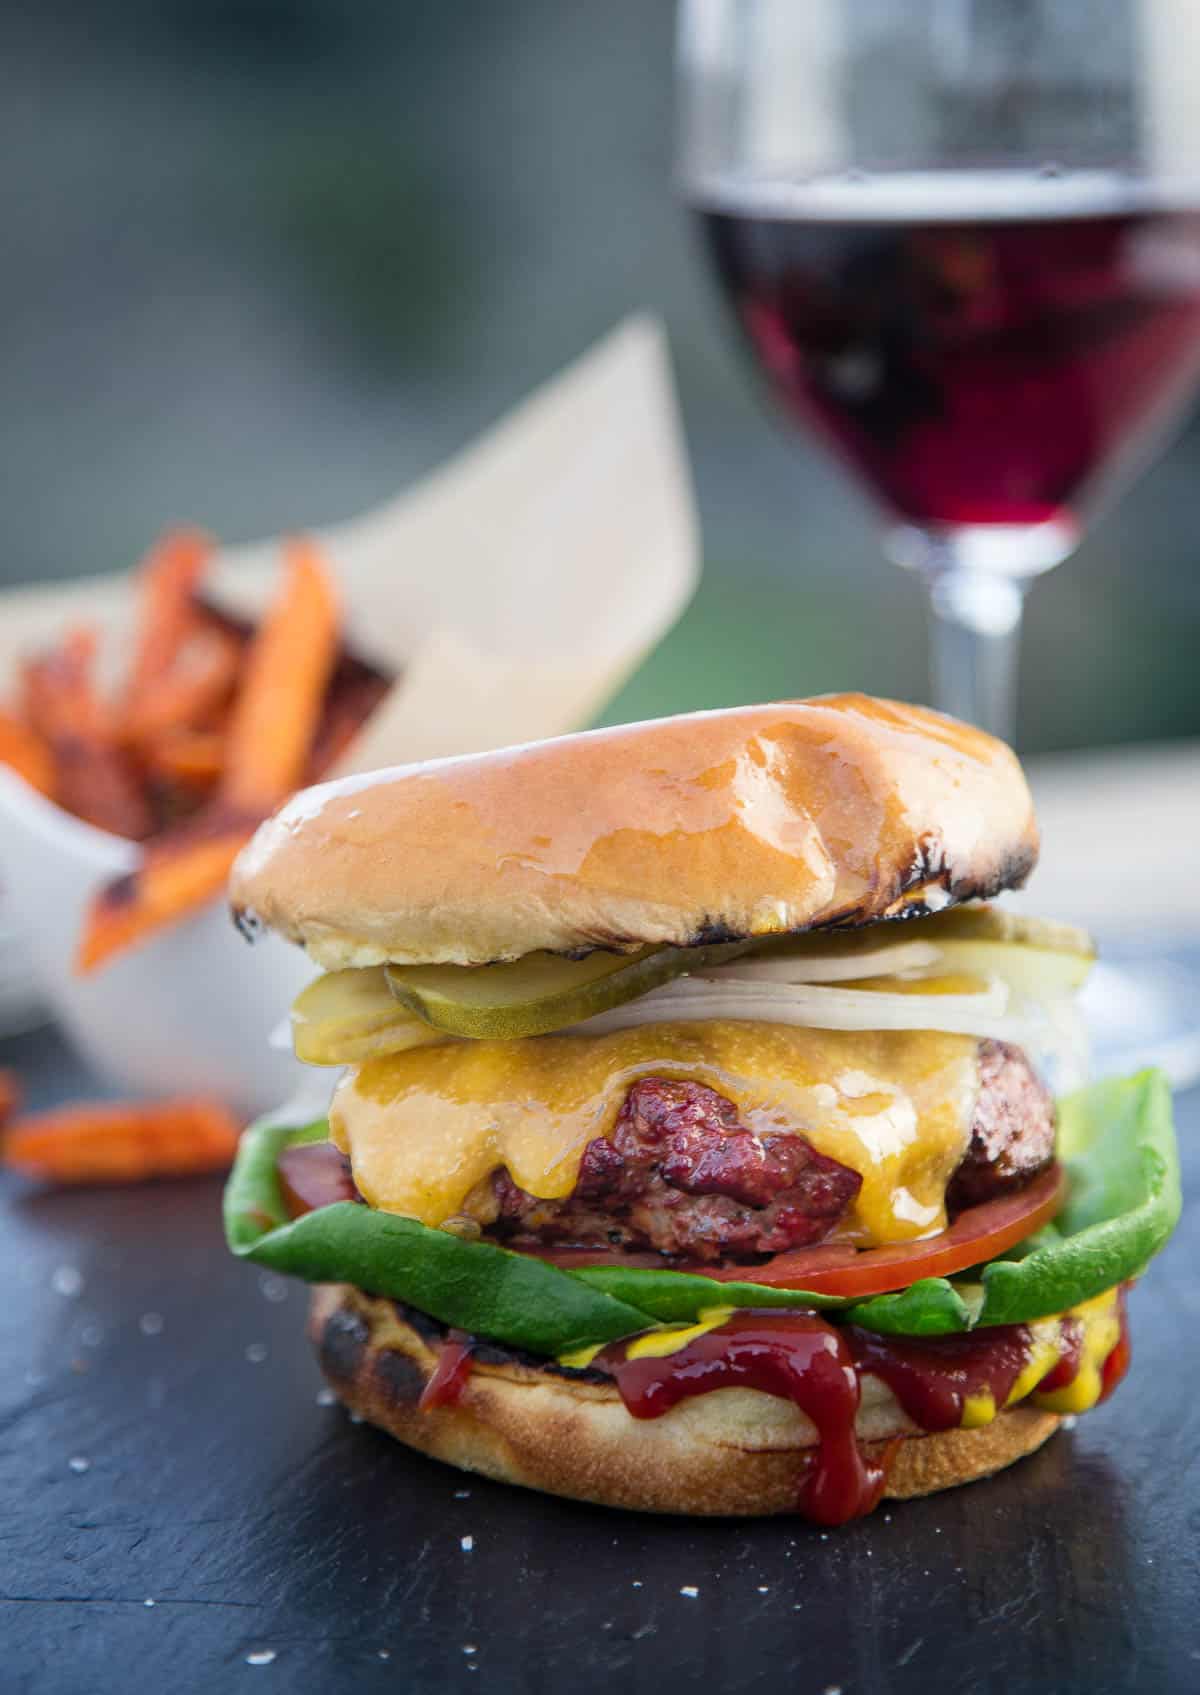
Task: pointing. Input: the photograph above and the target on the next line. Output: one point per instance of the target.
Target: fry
(27, 753)
(10, 1095)
(59, 699)
(123, 1142)
(287, 669)
(193, 758)
(93, 778)
(198, 685)
(180, 872)
(169, 577)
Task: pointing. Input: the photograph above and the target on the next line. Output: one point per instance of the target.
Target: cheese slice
(424, 1128)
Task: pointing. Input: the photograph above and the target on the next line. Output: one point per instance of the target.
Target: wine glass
(962, 243)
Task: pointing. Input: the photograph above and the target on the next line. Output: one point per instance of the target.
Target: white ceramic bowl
(188, 1012)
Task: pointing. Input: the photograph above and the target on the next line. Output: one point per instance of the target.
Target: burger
(696, 1148)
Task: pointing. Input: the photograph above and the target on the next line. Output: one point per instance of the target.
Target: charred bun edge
(565, 1432)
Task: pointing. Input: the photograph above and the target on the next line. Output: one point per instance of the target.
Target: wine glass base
(1144, 1009)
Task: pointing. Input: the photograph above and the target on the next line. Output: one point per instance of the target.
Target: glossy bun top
(749, 821)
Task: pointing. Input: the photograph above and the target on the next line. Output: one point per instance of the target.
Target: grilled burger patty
(1012, 1129)
(680, 1175)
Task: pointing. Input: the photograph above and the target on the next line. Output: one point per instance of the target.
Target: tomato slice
(976, 1235)
(312, 1175)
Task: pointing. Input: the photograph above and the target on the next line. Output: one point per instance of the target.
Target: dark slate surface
(162, 1440)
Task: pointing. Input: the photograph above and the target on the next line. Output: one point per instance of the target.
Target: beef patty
(1012, 1129)
(680, 1175)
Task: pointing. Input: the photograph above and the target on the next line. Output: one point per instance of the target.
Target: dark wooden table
(182, 1511)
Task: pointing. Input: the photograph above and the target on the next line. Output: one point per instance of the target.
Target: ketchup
(446, 1382)
(818, 1367)
(934, 1377)
(1117, 1363)
(796, 1356)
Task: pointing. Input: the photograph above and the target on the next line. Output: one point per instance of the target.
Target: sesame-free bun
(709, 827)
(734, 1452)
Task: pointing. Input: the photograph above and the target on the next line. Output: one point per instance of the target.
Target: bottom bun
(733, 1452)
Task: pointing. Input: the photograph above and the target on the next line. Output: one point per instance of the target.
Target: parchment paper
(515, 588)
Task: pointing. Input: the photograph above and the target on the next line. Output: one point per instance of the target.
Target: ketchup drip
(933, 1378)
(796, 1356)
(446, 1382)
(1117, 1363)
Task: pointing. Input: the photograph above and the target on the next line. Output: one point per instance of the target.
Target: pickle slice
(348, 1016)
(995, 924)
(969, 923)
(1036, 956)
(542, 992)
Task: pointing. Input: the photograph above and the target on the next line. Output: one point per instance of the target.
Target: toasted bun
(737, 1452)
(709, 827)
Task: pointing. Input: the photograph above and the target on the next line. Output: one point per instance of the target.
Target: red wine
(983, 349)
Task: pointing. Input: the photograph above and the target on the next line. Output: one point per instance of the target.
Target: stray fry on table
(122, 1142)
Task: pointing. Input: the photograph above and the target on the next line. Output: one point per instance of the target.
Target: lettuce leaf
(471, 1285)
(1115, 1137)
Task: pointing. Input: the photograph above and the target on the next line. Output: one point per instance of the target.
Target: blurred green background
(267, 260)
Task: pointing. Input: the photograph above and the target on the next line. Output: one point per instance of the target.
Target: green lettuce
(471, 1285)
(1115, 1137)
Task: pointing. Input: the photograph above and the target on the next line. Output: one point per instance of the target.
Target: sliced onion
(843, 967)
(1051, 1029)
(692, 999)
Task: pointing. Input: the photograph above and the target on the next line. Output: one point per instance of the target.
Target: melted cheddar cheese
(423, 1129)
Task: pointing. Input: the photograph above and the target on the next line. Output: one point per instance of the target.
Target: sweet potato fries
(215, 724)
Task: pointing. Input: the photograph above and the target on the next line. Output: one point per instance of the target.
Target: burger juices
(695, 1150)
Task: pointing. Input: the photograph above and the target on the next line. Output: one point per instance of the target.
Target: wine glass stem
(975, 628)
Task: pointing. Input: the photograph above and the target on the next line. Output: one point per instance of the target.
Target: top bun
(709, 827)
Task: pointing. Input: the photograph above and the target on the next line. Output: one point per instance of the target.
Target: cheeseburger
(696, 1148)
